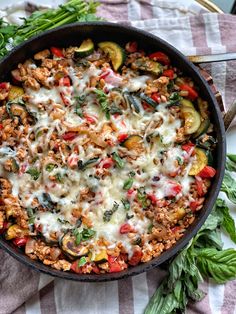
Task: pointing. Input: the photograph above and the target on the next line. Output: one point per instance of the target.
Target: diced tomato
(107, 163)
(69, 136)
(95, 269)
(75, 267)
(188, 147)
(176, 229)
(90, 119)
(207, 172)
(199, 185)
(192, 94)
(155, 97)
(169, 73)
(104, 74)
(114, 266)
(4, 228)
(65, 81)
(136, 257)
(1, 126)
(20, 241)
(57, 52)
(173, 189)
(130, 192)
(4, 85)
(72, 161)
(153, 198)
(131, 46)
(160, 57)
(122, 137)
(110, 142)
(125, 228)
(147, 107)
(194, 205)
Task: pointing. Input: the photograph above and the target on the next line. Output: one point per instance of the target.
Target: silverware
(213, 58)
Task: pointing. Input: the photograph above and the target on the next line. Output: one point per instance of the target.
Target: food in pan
(105, 156)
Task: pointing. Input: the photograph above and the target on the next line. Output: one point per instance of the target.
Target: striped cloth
(193, 30)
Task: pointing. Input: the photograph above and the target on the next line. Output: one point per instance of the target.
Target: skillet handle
(229, 115)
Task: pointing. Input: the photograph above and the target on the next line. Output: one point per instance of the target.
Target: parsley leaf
(34, 172)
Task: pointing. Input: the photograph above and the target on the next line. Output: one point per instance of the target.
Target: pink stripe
(126, 298)
(20, 310)
(113, 10)
(202, 307)
(199, 35)
(229, 303)
(146, 10)
(227, 25)
(154, 279)
(47, 299)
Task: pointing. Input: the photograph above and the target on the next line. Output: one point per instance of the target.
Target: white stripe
(218, 69)
(32, 306)
(134, 10)
(140, 293)
(44, 280)
(96, 298)
(216, 297)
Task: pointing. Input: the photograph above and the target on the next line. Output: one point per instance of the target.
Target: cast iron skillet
(100, 31)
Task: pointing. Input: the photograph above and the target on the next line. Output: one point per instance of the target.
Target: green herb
(83, 235)
(128, 184)
(82, 261)
(34, 172)
(142, 197)
(174, 99)
(232, 157)
(78, 238)
(79, 102)
(84, 165)
(229, 187)
(59, 177)
(108, 213)
(126, 204)
(150, 228)
(62, 221)
(180, 160)
(103, 102)
(231, 163)
(119, 161)
(129, 216)
(39, 21)
(50, 167)
(31, 215)
(47, 202)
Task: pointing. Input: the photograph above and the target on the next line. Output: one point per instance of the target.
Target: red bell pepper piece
(69, 136)
(122, 137)
(199, 185)
(169, 73)
(192, 94)
(95, 269)
(136, 257)
(188, 147)
(75, 267)
(90, 119)
(1, 126)
(114, 266)
(173, 189)
(65, 81)
(207, 172)
(57, 52)
(125, 228)
(20, 241)
(152, 198)
(160, 57)
(194, 205)
(107, 163)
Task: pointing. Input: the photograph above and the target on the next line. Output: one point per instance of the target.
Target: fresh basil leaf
(126, 204)
(119, 161)
(78, 238)
(229, 187)
(82, 261)
(219, 265)
(128, 184)
(50, 167)
(232, 157)
(34, 172)
(228, 223)
(84, 165)
(108, 213)
(103, 102)
(59, 177)
(87, 233)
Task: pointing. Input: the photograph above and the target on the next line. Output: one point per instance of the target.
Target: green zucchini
(202, 128)
(85, 49)
(70, 248)
(148, 65)
(115, 52)
(200, 162)
(148, 100)
(192, 119)
(132, 101)
(186, 103)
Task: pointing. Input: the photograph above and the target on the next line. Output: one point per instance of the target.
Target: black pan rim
(131, 271)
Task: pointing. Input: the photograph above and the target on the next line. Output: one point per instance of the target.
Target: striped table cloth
(193, 30)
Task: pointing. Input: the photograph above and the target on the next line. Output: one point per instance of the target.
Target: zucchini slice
(15, 231)
(115, 52)
(70, 248)
(199, 163)
(202, 128)
(148, 65)
(186, 103)
(133, 142)
(15, 92)
(148, 100)
(100, 257)
(192, 119)
(85, 49)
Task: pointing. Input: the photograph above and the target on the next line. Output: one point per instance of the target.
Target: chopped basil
(82, 261)
(129, 216)
(132, 174)
(83, 165)
(50, 167)
(47, 201)
(62, 221)
(126, 204)
(79, 102)
(59, 177)
(138, 241)
(142, 197)
(119, 162)
(150, 228)
(78, 238)
(84, 235)
(108, 213)
(128, 184)
(180, 160)
(174, 99)
(103, 102)
(34, 172)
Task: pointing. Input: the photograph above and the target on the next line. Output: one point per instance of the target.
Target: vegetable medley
(105, 156)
